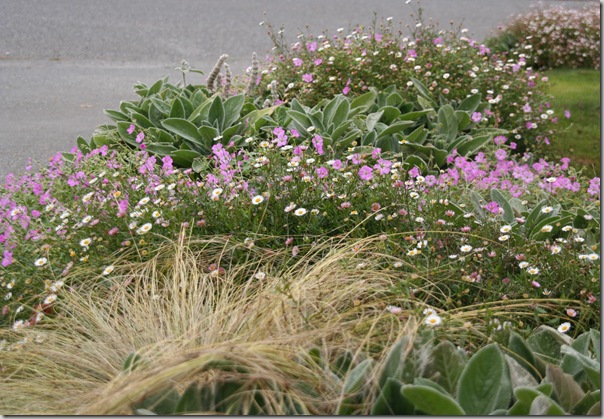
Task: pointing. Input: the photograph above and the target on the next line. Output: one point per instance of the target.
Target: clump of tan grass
(191, 306)
(177, 316)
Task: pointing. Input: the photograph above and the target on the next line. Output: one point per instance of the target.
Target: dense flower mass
(450, 64)
(554, 37)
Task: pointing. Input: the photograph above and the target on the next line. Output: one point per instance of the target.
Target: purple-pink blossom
(317, 142)
(297, 62)
(7, 258)
(307, 77)
(366, 173)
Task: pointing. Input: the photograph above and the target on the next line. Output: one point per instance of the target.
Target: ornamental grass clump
(286, 329)
(552, 37)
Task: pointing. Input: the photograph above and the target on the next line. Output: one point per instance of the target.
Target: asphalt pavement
(63, 61)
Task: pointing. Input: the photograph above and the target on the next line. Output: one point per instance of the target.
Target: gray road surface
(63, 61)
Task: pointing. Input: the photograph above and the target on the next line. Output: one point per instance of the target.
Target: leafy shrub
(553, 37)
(450, 64)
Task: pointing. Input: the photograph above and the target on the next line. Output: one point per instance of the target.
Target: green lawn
(579, 92)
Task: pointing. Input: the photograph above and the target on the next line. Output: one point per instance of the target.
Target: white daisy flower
(144, 228)
(50, 299)
(41, 262)
(433, 320)
(505, 229)
(300, 212)
(465, 248)
(546, 228)
(87, 197)
(564, 327)
(258, 199)
(85, 242)
(108, 270)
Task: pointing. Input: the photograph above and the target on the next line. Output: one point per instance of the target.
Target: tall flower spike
(228, 81)
(254, 75)
(215, 71)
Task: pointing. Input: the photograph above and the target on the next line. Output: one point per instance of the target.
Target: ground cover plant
(287, 243)
(553, 37)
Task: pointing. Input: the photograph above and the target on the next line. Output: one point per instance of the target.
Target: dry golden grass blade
(173, 307)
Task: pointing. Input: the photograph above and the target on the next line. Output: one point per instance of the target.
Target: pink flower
(322, 172)
(311, 46)
(297, 62)
(500, 154)
(366, 173)
(113, 231)
(337, 164)
(131, 129)
(526, 108)
(346, 88)
(317, 142)
(492, 207)
(140, 137)
(567, 114)
(500, 139)
(307, 78)
(318, 61)
(7, 258)
(476, 116)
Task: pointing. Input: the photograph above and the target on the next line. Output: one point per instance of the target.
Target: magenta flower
(438, 40)
(297, 62)
(501, 154)
(131, 129)
(500, 139)
(567, 114)
(476, 116)
(307, 78)
(492, 207)
(366, 173)
(346, 88)
(318, 61)
(337, 164)
(311, 46)
(317, 142)
(322, 172)
(167, 165)
(7, 258)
